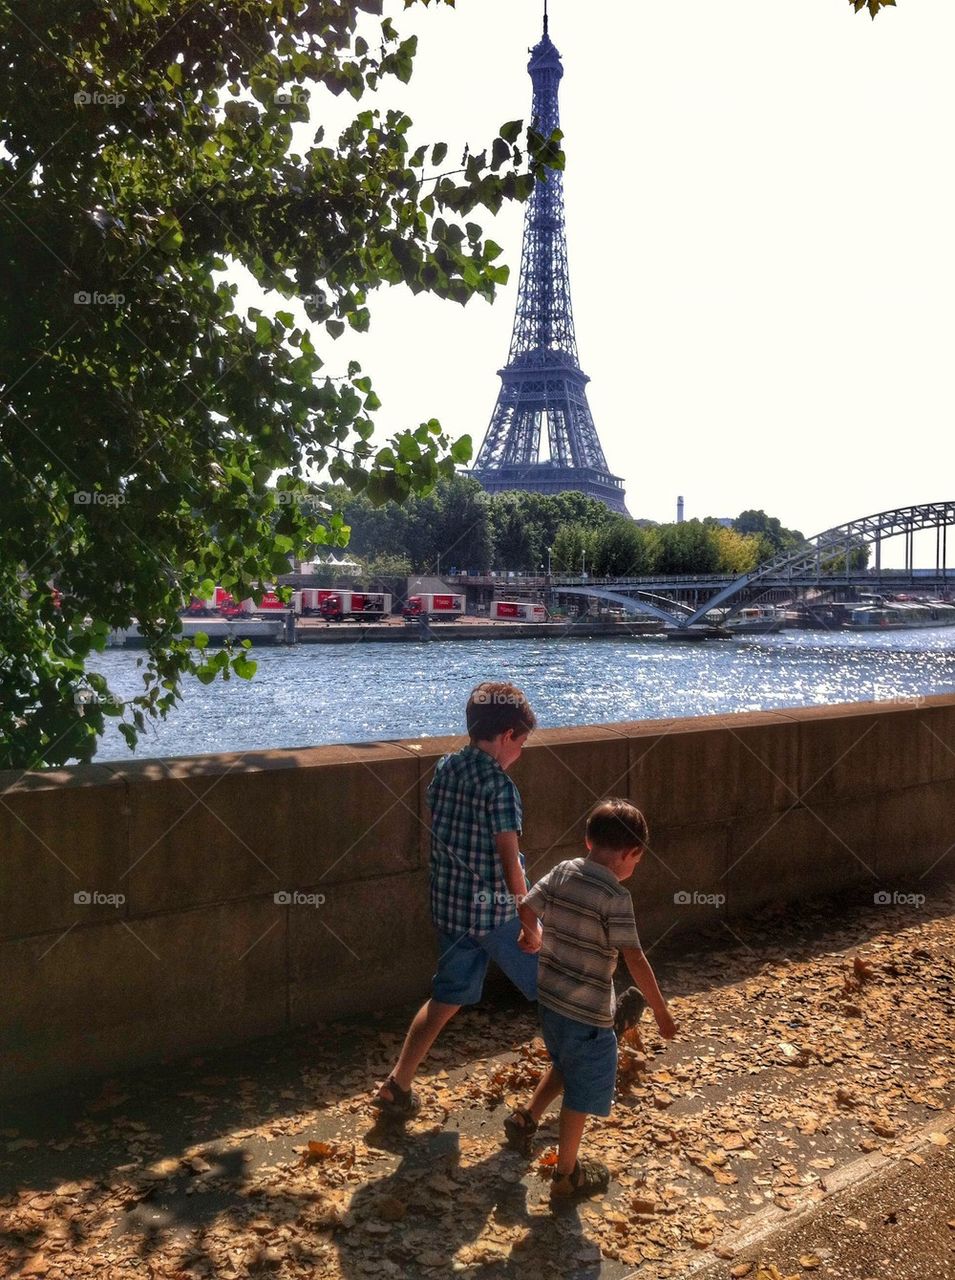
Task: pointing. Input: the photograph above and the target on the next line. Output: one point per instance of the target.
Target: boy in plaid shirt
(477, 878)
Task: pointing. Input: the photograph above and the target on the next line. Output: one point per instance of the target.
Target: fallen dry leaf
(862, 969)
(641, 1205)
(319, 1151)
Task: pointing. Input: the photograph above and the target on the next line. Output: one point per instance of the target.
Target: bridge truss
(811, 560)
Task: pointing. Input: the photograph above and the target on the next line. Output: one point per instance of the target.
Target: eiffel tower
(542, 382)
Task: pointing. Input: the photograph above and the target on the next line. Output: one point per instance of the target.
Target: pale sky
(760, 207)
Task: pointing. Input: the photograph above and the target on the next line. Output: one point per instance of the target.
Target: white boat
(754, 619)
(258, 630)
(901, 617)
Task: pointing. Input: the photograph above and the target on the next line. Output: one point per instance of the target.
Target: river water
(312, 694)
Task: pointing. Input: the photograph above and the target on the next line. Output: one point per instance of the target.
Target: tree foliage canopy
(459, 526)
(145, 147)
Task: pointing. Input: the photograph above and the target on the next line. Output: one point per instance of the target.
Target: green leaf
(500, 152)
(462, 450)
(171, 236)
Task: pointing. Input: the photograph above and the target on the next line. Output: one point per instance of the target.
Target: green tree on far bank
(622, 550)
(774, 539)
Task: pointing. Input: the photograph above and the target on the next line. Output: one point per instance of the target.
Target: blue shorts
(586, 1057)
(463, 962)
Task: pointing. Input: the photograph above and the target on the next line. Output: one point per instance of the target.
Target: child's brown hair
(496, 706)
(617, 825)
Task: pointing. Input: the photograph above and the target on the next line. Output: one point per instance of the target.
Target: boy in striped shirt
(587, 918)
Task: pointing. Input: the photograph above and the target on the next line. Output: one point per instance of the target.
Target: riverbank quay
(811, 1038)
(316, 631)
(288, 629)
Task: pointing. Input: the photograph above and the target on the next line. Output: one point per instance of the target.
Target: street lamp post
(583, 563)
(549, 550)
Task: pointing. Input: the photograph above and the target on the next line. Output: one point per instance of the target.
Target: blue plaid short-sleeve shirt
(472, 800)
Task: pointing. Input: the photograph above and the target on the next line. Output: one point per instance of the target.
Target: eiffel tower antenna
(543, 396)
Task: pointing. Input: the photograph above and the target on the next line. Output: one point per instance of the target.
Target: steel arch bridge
(810, 558)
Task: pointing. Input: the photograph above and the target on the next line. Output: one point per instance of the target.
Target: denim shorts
(463, 962)
(586, 1057)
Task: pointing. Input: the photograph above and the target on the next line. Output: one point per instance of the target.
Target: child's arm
(506, 844)
(644, 977)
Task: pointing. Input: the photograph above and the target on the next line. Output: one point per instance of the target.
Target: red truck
(224, 603)
(361, 605)
(438, 606)
(270, 603)
(517, 611)
(309, 600)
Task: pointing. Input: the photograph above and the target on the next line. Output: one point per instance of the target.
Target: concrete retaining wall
(196, 951)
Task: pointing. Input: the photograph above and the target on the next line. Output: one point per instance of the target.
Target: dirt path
(809, 1040)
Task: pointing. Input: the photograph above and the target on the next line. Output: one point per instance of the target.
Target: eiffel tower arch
(541, 437)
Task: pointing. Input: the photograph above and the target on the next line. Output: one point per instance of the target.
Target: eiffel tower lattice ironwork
(542, 383)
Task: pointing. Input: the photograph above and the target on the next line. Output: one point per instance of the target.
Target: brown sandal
(587, 1178)
(402, 1105)
(520, 1126)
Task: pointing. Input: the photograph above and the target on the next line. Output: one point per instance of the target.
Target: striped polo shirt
(587, 918)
